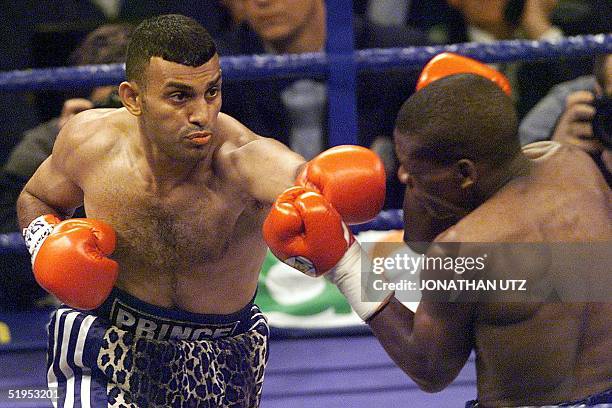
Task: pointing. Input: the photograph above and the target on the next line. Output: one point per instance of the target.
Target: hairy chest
(187, 228)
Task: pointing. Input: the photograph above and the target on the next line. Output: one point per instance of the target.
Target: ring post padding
(341, 81)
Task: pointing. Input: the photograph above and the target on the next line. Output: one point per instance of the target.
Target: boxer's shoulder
(496, 220)
(95, 130)
(239, 141)
(232, 133)
(558, 162)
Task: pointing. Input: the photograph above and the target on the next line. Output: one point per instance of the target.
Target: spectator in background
(105, 45)
(533, 20)
(567, 113)
(512, 19)
(234, 13)
(294, 111)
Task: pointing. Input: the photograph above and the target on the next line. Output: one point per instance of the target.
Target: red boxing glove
(69, 259)
(304, 231)
(352, 179)
(447, 63)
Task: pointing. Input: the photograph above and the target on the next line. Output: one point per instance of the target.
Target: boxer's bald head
(459, 117)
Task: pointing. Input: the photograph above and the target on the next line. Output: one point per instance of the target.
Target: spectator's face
(606, 158)
(488, 15)
(606, 86)
(235, 8)
(279, 20)
(606, 155)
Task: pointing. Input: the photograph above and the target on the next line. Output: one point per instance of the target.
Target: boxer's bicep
(444, 331)
(436, 340)
(52, 188)
(48, 192)
(268, 168)
(445, 316)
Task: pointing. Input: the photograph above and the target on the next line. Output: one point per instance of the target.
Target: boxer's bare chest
(189, 227)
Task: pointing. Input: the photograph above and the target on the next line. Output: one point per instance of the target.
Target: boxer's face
(180, 106)
(278, 20)
(435, 193)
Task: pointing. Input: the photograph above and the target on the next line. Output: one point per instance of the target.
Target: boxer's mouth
(199, 138)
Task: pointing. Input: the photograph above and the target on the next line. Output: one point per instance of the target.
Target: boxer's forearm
(29, 207)
(393, 327)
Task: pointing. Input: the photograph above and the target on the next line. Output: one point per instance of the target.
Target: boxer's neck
(500, 175)
(163, 172)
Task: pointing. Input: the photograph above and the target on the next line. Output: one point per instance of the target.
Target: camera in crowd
(602, 121)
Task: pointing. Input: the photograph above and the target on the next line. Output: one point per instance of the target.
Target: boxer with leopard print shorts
(128, 353)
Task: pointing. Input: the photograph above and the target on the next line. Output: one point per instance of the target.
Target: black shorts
(600, 400)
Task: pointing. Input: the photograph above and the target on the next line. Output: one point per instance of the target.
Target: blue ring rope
(12, 243)
(317, 64)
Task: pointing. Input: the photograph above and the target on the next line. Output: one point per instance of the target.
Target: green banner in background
(291, 299)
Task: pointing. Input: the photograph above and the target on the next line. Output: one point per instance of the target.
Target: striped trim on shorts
(92, 362)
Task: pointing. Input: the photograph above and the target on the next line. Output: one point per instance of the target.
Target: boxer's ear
(129, 92)
(405, 177)
(402, 174)
(468, 173)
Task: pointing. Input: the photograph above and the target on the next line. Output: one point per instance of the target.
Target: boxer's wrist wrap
(346, 275)
(36, 233)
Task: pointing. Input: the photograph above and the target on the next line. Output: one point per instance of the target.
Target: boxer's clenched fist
(69, 259)
(352, 179)
(447, 64)
(305, 231)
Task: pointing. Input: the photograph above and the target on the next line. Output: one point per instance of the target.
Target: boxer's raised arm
(263, 166)
(69, 258)
(431, 346)
(51, 190)
(267, 167)
(342, 174)
(433, 343)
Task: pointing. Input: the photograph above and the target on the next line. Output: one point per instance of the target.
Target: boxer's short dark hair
(173, 37)
(460, 116)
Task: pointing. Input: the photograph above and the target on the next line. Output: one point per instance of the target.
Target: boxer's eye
(212, 92)
(179, 96)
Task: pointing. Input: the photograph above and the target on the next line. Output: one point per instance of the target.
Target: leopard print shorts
(114, 364)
